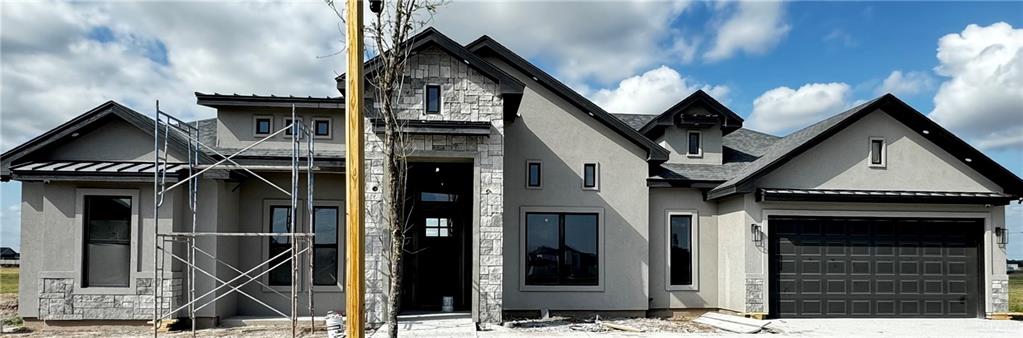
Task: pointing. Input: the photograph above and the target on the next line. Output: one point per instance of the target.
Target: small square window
(591, 176)
(264, 126)
(693, 145)
(877, 152)
(438, 227)
(287, 123)
(533, 173)
(432, 99)
(321, 127)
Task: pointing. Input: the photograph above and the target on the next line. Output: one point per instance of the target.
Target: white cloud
(982, 99)
(754, 27)
(652, 92)
(783, 109)
(61, 59)
(909, 83)
(601, 41)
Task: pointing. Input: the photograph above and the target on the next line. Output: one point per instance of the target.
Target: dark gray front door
(874, 267)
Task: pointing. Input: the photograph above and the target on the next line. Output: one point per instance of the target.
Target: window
(432, 99)
(263, 125)
(533, 172)
(325, 248)
(590, 176)
(561, 249)
(681, 257)
(693, 144)
(280, 222)
(287, 123)
(321, 128)
(438, 227)
(107, 254)
(877, 152)
(438, 197)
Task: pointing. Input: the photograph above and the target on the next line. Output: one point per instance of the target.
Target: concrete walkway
(432, 325)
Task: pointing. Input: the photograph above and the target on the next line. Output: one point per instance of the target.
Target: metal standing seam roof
(96, 167)
(838, 192)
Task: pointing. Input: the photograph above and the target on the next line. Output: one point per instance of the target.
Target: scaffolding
(169, 129)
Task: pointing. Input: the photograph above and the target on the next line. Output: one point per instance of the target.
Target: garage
(874, 267)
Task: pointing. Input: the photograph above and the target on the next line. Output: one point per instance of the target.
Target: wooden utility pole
(355, 183)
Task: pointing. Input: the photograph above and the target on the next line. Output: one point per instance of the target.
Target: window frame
(596, 176)
(695, 257)
(255, 125)
(330, 128)
(284, 123)
(264, 241)
(539, 179)
(884, 153)
(341, 231)
(426, 99)
(134, 266)
(601, 252)
(699, 143)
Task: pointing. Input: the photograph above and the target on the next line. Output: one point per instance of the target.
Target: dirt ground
(564, 324)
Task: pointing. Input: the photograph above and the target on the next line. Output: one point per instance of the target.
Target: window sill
(105, 290)
(561, 288)
(877, 166)
(329, 288)
(694, 155)
(534, 188)
(591, 189)
(682, 288)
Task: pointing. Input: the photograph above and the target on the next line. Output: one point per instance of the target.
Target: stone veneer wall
(999, 296)
(467, 96)
(58, 301)
(754, 294)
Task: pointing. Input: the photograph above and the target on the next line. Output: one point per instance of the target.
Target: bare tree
(390, 31)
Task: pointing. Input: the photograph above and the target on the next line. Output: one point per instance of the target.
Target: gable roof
(729, 120)
(802, 140)
(431, 37)
(636, 121)
(220, 100)
(61, 132)
(488, 46)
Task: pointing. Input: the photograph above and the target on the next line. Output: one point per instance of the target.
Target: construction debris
(732, 323)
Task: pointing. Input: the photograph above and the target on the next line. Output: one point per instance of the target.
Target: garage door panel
(874, 267)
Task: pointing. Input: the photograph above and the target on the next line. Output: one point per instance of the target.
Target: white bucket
(448, 304)
(335, 325)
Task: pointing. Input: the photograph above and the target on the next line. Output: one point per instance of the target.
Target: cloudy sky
(779, 65)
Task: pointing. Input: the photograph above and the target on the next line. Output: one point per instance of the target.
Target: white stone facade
(58, 300)
(467, 96)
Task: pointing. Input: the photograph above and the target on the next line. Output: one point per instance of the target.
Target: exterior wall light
(758, 236)
(376, 5)
(1001, 236)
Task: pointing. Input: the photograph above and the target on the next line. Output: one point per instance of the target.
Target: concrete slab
(432, 325)
(910, 327)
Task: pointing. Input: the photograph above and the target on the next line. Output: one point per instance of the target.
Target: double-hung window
(325, 248)
(562, 249)
(280, 222)
(682, 251)
(107, 252)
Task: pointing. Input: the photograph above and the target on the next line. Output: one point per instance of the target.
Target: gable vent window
(432, 99)
(263, 125)
(591, 176)
(533, 172)
(877, 152)
(694, 148)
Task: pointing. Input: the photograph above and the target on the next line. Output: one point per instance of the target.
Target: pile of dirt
(610, 325)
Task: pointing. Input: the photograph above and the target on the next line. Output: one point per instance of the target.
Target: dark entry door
(874, 267)
(439, 243)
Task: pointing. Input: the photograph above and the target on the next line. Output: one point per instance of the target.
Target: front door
(437, 256)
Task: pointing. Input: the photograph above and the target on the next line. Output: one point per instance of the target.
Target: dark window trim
(287, 121)
(694, 242)
(270, 244)
(316, 127)
(336, 246)
(561, 247)
(595, 185)
(882, 156)
(699, 143)
(86, 241)
(539, 170)
(255, 124)
(426, 99)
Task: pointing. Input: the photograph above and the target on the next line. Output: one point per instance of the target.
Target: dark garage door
(874, 267)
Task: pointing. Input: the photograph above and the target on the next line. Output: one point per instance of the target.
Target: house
(9, 257)
(527, 196)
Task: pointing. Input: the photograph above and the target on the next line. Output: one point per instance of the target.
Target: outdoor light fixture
(376, 5)
(1002, 237)
(757, 234)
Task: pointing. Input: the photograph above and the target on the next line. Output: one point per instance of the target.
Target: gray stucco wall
(52, 271)
(913, 162)
(551, 130)
(114, 133)
(236, 126)
(705, 295)
(676, 140)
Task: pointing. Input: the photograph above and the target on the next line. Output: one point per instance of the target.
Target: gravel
(565, 324)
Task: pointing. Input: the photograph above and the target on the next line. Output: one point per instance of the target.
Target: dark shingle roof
(741, 147)
(636, 121)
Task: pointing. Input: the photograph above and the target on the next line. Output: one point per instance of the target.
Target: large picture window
(280, 222)
(561, 249)
(325, 248)
(107, 256)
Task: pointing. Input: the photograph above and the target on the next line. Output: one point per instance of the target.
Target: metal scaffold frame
(165, 128)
